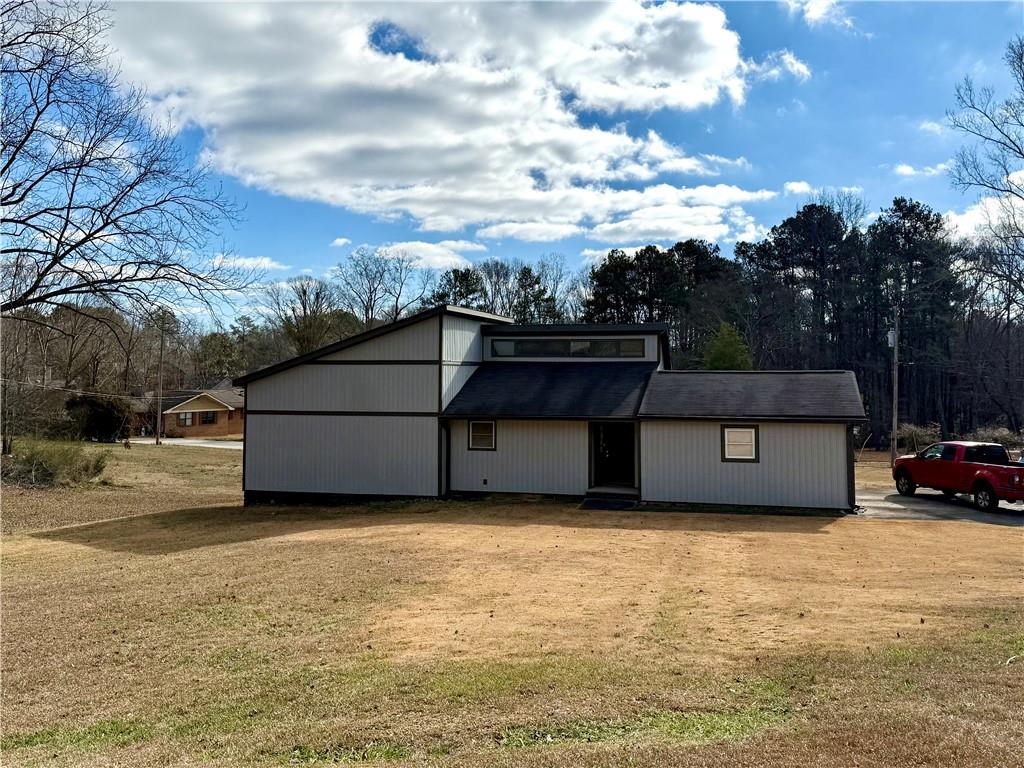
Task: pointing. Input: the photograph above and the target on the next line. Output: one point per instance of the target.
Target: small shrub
(98, 417)
(915, 437)
(39, 463)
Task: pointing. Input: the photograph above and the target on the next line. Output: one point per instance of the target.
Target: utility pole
(894, 342)
(160, 384)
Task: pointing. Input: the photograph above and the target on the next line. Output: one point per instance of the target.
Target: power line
(87, 392)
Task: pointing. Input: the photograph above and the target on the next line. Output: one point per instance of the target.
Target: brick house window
(185, 419)
(208, 417)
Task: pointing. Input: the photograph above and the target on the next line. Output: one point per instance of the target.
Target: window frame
(573, 348)
(469, 435)
(185, 419)
(757, 443)
(204, 414)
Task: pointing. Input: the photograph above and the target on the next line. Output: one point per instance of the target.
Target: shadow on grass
(187, 529)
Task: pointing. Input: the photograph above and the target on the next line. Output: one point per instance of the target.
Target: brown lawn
(494, 632)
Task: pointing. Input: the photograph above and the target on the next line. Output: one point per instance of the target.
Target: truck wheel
(985, 498)
(905, 484)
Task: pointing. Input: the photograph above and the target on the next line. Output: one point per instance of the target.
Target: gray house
(453, 400)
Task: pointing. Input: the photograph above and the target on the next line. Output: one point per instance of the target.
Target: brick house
(211, 413)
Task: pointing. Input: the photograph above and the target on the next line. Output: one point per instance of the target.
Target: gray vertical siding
(390, 455)
(350, 454)
(461, 350)
(801, 465)
(414, 342)
(531, 457)
(392, 387)
(462, 342)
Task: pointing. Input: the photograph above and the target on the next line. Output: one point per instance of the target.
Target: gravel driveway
(929, 505)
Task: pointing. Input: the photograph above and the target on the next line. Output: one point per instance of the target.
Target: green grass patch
(105, 733)
(688, 727)
(376, 751)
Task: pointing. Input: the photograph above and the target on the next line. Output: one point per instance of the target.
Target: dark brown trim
(372, 333)
(716, 419)
(469, 434)
(448, 459)
(269, 412)
(370, 362)
(755, 417)
(757, 444)
(851, 476)
(527, 417)
(440, 404)
(541, 329)
(321, 499)
(639, 463)
(244, 430)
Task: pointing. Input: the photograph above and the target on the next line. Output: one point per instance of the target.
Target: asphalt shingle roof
(807, 395)
(553, 390)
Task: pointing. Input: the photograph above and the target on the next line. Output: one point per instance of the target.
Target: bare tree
(556, 280)
(362, 282)
(309, 312)
(406, 282)
(98, 203)
(993, 164)
(848, 203)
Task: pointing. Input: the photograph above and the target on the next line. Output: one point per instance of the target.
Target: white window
(185, 419)
(739, 444)
(481, 435)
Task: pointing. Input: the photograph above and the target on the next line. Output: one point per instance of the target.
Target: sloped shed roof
(782, 395)
(556, 390)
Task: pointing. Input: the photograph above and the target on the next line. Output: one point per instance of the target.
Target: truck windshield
(987, 454)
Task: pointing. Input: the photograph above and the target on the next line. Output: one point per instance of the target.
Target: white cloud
(665, 223)
(821, 12)
(797, 188)
(262, 263)
(744, 227)
(533, 231)
(976, 219)
(904, 169)
(340, 242)
(482, 130)
(442, 255)
(932, 127)
(779, 63)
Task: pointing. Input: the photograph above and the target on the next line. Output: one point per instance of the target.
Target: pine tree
(727, 351)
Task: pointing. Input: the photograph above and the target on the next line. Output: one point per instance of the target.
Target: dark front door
(613, 452)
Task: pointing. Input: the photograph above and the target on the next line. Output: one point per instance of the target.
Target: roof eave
(368, 335)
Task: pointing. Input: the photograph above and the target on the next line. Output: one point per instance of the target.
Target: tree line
(109, 262)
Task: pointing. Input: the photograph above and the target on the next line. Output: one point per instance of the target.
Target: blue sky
(462, 132)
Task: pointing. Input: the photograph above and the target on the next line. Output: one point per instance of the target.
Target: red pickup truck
(983, 470)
